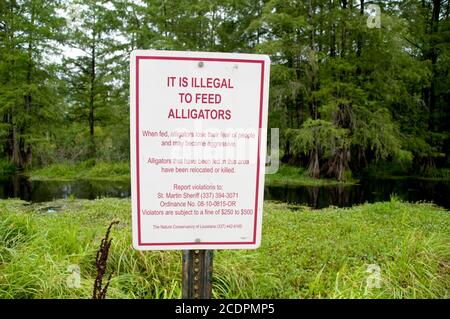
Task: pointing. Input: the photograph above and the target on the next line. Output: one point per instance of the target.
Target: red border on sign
(138, 190)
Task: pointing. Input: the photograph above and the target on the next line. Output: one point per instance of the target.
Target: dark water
(374, 190)
(43, 191)
(371, 191)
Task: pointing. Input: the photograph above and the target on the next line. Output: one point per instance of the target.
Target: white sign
(198, 148)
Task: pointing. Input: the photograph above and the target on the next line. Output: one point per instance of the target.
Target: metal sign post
(197, 274)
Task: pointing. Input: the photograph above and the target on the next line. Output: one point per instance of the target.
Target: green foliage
(338, 85)
(344, 94)
(408, 242)
(29, 97)
(288, 175)
(317, 133)
(376, 132)
(439, 173)
(6, 167)
(83, 170)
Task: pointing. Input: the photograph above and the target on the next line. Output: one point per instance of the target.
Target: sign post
(197, 274)
(198, 127)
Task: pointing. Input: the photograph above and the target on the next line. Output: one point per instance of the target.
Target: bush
(83, 170)
(6, 167)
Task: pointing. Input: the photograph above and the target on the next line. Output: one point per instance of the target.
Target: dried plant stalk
(101, 261)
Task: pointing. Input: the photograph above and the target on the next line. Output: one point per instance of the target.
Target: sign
(198, 127)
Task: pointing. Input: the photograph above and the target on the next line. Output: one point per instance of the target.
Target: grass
(304, 253)
(438, 174)
(83, 170)
(286, 175)
(297, 176)
(393, 170)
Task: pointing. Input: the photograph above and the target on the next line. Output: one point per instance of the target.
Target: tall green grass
(298, 176)
(304, 253)
(286, 175)
(82, 170)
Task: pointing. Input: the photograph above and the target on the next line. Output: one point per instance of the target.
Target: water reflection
(374, 190)
(42, 191)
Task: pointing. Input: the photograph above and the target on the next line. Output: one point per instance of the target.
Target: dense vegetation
(346, 91)
(357, 87)
(330, 253)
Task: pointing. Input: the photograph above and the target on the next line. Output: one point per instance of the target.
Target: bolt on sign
(198, 148)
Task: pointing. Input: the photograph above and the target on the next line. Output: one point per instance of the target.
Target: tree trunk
(332, 31)
(344, 29)
(360, 37)
(91, 102)
(299, 109)
(338, 164)
(433, 57)
(27, 149)
(16, 154)
(314, 165)
(21, 150)
(311, 25)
